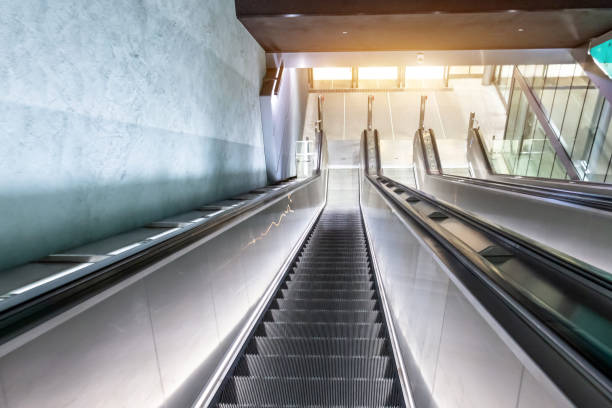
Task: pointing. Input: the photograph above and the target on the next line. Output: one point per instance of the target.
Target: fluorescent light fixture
(332, 74)
(48, 279)
(378, 73)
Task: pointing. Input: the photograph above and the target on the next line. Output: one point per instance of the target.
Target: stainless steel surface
(582, 233)
(157, 337)
(455, 352)
(370, 101)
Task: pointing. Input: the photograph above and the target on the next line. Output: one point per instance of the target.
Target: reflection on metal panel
(455, 354)
(156, 338)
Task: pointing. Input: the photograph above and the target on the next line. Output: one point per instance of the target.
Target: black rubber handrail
(598, 284)
(592, 200)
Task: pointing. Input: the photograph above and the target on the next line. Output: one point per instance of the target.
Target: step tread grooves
(323, 341)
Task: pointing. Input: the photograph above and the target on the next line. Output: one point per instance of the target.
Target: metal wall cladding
(156, 338)
(454, 351)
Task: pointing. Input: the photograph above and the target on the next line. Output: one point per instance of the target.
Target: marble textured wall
(116, 113)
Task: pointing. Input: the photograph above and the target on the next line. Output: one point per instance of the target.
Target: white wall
(116, 113)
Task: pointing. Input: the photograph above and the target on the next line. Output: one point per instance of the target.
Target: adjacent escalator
(323, 341)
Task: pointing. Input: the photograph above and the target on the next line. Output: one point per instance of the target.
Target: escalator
(572, 218)
(323, 341)
(343, 289)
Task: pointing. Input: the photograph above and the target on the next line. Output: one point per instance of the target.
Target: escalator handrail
(592, 200)
(48, 302)
(584, 183)
(599, 278)
(476, 263)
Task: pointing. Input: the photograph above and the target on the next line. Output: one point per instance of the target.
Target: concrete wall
(116, 113)
(283, 118)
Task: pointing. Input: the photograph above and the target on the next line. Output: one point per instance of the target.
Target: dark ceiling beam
(250, 8)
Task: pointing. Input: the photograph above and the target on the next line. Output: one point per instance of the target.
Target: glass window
(591, 111)
(550, 85)
(378, 77)
(575, 103)
(558, 170)
(476, 69)
(332, 77)
(528, 72)
(559, 106)
(539, 76)
(602, 147)
(548, 159)
(537, 150)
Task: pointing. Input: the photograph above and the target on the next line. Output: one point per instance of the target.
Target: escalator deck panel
(323, 341)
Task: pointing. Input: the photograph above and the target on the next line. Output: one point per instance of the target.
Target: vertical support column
(422, 112)
(370, 101)
(401, 76)
(446, 75)
(355, 77)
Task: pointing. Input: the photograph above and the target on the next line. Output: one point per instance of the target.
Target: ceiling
(389, 25)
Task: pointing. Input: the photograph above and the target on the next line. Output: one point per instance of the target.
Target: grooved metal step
(329, 285)
(313, 391)
(274, 329)
(332, 269)
(324, 304)
(315, 366)
(323, 316)
(327, 294)
(323, 340)
(321, 346)
(337, 277)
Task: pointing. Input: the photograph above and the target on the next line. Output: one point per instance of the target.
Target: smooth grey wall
(283, 118)
(116, 113)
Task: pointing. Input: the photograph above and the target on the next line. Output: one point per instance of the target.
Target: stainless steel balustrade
(547, 217)
(155, 337)
(481, 168)
(457, 312)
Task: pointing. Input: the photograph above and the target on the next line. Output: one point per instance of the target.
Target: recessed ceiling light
(291, 15)
(345, 32)
(512, 11)
(521, 29)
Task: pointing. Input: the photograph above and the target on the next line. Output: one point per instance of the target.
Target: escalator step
(321, 346)
(315, 367)
(332, 269)
(337, 277)
(274, 329)
(329, 285)
(336, 263)
(323, 316)
(312, 391)
(323, 341)
(327, 294)
(327, 304)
